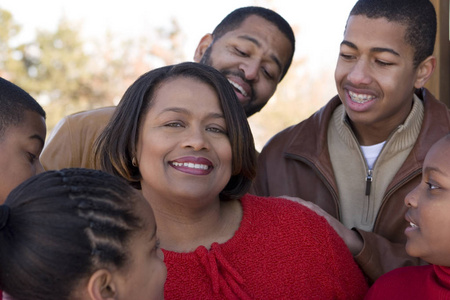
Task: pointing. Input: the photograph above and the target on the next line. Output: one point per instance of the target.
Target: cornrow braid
(63, 225)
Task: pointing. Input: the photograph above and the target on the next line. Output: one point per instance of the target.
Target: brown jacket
(72, 140)
(296, 162)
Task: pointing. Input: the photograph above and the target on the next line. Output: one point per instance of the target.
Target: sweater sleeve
(341, 273)
(350, 280)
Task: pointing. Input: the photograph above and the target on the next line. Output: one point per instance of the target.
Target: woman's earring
(134, 162)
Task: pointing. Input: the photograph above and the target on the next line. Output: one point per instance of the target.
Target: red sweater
(281, 250)
(414, 282)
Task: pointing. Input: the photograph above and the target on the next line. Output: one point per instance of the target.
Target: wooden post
(439, 83)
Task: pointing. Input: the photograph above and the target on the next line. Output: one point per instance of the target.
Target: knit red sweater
(415, 282)
(281, 250)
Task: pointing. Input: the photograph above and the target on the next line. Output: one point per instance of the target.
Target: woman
(189, 148)
(79, 234)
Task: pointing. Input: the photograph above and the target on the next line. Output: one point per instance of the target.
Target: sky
(319, 25)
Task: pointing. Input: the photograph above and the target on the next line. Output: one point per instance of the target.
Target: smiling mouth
(238, 87)
(360, 98)
(413, 225)
(191, 165)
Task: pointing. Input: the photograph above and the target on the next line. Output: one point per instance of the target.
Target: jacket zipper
(369, 175)
(368, 188)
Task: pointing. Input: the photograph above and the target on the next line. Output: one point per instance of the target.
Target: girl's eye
(431, 186)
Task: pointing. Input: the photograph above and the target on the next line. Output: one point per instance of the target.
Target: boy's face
(375, 76)
(429, 209)
(20, 148)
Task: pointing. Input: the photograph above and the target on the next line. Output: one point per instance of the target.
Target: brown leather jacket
(71, 142)
(296, 162)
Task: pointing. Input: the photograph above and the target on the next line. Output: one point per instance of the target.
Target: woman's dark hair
(61, 227)
(14, 101)
(116, 146)
(235, 18)
(419, 17)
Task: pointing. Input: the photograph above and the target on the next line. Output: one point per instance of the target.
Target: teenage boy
(356, 159)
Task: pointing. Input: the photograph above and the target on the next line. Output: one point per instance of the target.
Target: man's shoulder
(98, 114)
(84, 122)
(310, 128)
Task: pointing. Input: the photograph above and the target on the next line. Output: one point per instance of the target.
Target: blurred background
(78, 55)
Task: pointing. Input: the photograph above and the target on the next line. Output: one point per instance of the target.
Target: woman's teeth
(191, 165)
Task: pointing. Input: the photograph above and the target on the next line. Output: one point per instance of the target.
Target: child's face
(375, 75)
(20, 148)
(429, 208)
(145, 275)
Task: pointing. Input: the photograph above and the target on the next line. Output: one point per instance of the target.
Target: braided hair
(62, 226)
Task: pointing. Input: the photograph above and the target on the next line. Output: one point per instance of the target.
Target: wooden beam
(439, 83)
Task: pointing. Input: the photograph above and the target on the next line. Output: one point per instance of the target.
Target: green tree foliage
(67, 73)
(8, 30)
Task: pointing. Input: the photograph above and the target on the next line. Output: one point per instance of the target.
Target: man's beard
(250, 108)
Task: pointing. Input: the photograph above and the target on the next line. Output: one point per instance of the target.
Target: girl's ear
(102, 286)
(204, 43)
(424, 71)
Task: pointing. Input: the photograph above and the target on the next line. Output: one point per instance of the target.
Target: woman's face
(183, 150)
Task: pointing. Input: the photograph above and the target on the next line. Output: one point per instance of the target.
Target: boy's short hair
(14, 101)
(419, 17)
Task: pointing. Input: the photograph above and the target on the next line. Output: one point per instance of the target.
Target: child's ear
(204, 43)
(424, 71)
(101, 286)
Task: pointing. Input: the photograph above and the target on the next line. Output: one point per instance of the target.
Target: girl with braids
(181, 135)
(79, 234)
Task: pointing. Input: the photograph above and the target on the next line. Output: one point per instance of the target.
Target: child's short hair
(14, 101)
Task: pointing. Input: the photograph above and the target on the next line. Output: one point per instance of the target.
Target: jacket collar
(309, 139)
(313, 133)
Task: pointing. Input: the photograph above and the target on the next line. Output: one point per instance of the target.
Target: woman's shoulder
(282, 212)
(276, 205)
